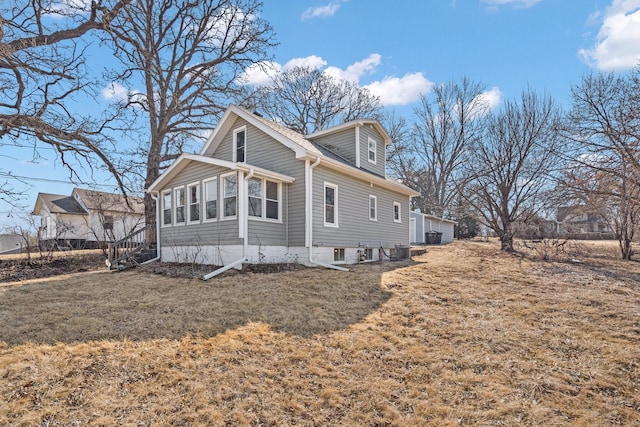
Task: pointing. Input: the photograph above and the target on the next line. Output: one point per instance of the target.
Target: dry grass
(464, 335)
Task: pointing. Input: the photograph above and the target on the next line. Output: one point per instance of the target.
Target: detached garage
(429, 229)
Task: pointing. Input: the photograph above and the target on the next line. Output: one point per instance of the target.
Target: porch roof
(186, 159)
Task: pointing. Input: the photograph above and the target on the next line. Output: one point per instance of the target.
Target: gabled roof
(186, 159)
(102, 201)
(303, 147)
(435, 218)
(86, 200)
(289, 138)
(352, 124)
(58, 203)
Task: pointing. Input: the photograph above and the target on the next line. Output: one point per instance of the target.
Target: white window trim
(369, 150)
(175, 206)
(335, 205)
(203, 196)
(162, 194)
(399, 205)
(375, 201)
(221, 196)
(235, 143)
(264, 218)
(188, 202)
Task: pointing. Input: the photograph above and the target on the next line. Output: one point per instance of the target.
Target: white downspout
(309, 207)
(155, 198)
(245, 232)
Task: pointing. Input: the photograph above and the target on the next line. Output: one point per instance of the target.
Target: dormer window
(240, 144)
(372, 150)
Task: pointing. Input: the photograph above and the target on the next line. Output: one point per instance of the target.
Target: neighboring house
(86, 218)
(421, 224)
(259, 192)
(579, 219)
(11, 243)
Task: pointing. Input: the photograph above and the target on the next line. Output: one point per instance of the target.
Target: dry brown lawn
(464, 335)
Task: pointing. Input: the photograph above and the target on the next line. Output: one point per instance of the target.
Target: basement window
(368, 254)
(338, 254)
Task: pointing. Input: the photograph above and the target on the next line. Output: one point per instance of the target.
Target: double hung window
(166, 208)
(211, 199)
(240, 144)
(330, 205)
(264, 199)
(230, 195)
(193, 194)
(179, 199)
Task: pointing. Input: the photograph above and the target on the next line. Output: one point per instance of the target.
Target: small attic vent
(257, 114)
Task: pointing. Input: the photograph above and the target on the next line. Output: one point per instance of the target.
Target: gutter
(309, 182)
(154, 196)
(245, 233)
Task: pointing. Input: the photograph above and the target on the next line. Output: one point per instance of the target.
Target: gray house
(259, 192)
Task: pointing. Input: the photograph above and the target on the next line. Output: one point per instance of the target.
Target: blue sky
(400, 49)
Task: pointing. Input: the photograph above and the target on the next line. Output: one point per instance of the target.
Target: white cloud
(400, 90)
(356, 70)
(518, 4)
(491, 99)
(618, 41)
(391, 90)
(115, 91)
(322, 11)
(69, 8)
(260, 74)
(313, 62)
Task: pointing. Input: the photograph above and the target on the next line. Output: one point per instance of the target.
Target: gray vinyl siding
(379, 167)
(272, 233)
(220, 232)
(225, 149)
(342, 143)
(354, 227)
(265, 152)
(296, 204)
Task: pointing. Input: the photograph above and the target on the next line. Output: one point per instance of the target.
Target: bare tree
(509, 168)
(308, 100)
(43, 72)
(429, 156)
(187, 56)
(604, 124)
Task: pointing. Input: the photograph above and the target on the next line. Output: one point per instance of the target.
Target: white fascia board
(225, 123)
(376, 124)
(185, 159)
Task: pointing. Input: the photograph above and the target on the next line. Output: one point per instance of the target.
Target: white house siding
(123, 224)
(65, 227)
(354, 226)
(11, 243)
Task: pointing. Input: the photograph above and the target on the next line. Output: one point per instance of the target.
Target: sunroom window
(230, 195)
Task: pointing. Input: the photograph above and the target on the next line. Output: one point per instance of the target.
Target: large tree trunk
(506, 238)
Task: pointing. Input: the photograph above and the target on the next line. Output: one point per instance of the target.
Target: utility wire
(57, 181)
